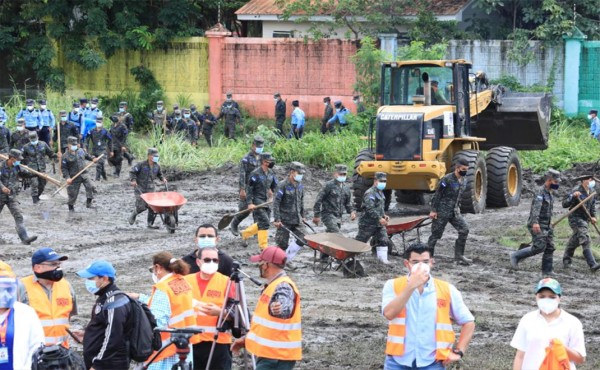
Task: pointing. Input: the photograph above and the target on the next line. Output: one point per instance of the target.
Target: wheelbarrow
(339, 249)
(166, 204)
(402, 225)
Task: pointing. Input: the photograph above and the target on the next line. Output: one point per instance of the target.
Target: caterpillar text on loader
(434, 112)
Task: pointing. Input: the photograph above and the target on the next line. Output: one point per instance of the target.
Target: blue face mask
(341, 178)
(121, 110)
(259, 150)
(207, 242)
(155, 159)
(73, 147)
(298, 177)
(91, 287)
(17, 163)
(381, 185)
(34, 142)
(186, 115)
(592, 185)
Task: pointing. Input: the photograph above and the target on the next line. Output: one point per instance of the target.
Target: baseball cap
(98, 268)
(46, 254)
(274, 255)
(5, 267)
(549, 283)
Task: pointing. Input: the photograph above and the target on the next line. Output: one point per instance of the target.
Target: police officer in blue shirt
(31, 116)
(89, 118)
(48, 122)
(76, 118)
(3, 115)
(339, 116)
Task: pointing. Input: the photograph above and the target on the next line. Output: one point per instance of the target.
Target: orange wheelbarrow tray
(338, 248)
(402, 225)
(166, 204)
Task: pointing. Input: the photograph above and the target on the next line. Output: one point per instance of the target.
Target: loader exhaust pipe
(427, 88)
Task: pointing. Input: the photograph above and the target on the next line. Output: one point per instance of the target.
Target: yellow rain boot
(250, 231)
(263, 239)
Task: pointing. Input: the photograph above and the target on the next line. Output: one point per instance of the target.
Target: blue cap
(98, 268)
(549, 283)
(46, 254)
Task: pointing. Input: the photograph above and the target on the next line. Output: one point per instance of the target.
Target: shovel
(76, 176)
(226, 220)
(51, 180)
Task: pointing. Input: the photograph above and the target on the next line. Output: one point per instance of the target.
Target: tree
(367, 62)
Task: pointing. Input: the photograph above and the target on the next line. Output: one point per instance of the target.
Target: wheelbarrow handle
(301, 242)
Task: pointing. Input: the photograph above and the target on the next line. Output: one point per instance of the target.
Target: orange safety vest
(54, 315)
(271, 337)
(556, 357)
(444, 334)
(182, 313)
(216, 293)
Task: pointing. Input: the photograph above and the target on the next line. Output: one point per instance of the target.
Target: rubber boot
(151, 218)
(25, 239)
(547, 270)
(233, 227)
(36, 199)
(104, 175)
(132, 217)
(517, 256)
(250, 231)
(591, 261)
(459, 254)
(382, 255)
(263, 239)
(88, 203)
(71, 208)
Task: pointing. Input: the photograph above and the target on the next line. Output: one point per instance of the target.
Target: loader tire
(505, 182)
(361, 184)
(474, 196)
(410, 197)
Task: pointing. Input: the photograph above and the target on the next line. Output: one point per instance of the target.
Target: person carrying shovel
(579, 221)
(73, 164)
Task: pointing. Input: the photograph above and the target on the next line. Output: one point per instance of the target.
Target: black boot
(517, 256)
(547, 270)
(71, 208)
(234, 226)
(591, 261)
(25, 239)
(36, 199)
(104, 175)
(132, 217)
(459, 254)
(88, 203)
(151, 218)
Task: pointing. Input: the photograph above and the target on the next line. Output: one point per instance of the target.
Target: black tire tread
(467, 205)
(498, 160)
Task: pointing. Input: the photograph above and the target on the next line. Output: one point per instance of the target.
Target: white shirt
(29, 336)
(534, 333)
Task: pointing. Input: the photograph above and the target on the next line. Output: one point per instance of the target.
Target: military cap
(42, 101)
(356, 97)
(584, 176)
(122, 104)
(341, 168)
(553, 174)
(462, 162)
(152, 151)
(295, 103)
(277, 95)
(15, 153)
(228, 94)
(76, 105)
(21, 121)
(186, 110)
(62, 113)
(33, 135)
(177, 112)
(207, 107)
(192, 106)
(593, 111)
(29, 101)
(337, 103)
(175, 106)
(326, 99)
(380, 176)
(83, 100)
(72, 140)
(298, 167)
(258, 140)
(160, 102)
(266, 157)
(95, 100)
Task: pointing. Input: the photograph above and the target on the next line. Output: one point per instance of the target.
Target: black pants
(221, 359)
(44, 134)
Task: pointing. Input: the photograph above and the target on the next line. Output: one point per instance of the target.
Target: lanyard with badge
(3, 345)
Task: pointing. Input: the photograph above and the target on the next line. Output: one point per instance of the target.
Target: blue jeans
(390, 364)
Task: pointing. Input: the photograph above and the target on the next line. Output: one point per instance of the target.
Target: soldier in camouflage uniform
(232, 117)
(73, 161)
(66, 129)
(288, 206)
(20, 136)
(4, 135)
(9, 188)
(579, 219)
(445, 208)
(373, 220)
(327, 114)
(159, 118)
(331, 201)
(187, 126)
(540, 225)
(142, 177)
(98, 142)
(260, 186)
(118, 135)
(34, 156)
(248, 164)
(207, 122)
(127, 119)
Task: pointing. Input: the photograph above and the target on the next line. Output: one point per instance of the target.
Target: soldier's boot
(104, 175)
(25, 239)
(517, 256)
(591, 261)
(233, 227)
(250, 231)
(71, 208)
(132, 217)
(263, 239)
(547, 270)
(382, 255)
(36, 199)
(88, 202)
(151, 218)
(459, 254)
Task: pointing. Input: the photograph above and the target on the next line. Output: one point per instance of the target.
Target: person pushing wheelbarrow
(142, 177)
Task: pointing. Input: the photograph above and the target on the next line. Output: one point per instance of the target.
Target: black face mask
(54, 275)
(271, 164)
(462, 173)
(554, 186)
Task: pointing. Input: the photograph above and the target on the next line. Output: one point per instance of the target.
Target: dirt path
(342, 323)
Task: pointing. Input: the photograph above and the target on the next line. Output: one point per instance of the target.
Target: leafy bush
(513, 84)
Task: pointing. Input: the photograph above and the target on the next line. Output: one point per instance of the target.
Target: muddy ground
(342, 324)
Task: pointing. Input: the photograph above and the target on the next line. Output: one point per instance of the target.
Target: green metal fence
(589, 76)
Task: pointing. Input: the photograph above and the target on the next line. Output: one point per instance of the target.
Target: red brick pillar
(216, 37)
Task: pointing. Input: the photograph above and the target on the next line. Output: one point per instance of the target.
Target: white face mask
(74, 148)
(121, 110)
(592, 184)
(20, 128)
(63, 119)
(94, 106)
(155, 278)
(43, 106)
(30, 108)
(355, 101)
(99, 125)
(76, 110)
(325, 103)
(209, 268)
(275, 99)
(547, 305)
(589, 116)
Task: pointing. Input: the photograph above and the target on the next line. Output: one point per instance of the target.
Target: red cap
(274, 255)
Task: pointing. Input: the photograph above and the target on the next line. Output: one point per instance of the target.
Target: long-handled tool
(42, 175)
(59, 150)
(77, 175)
(226, 220)
(590, 217)
(574, 209)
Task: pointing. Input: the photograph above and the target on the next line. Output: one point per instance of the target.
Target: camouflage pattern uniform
(144, 174)
(98, 142)
(257, 192)
(288, 208)
(127, 119)
(34, 158)
(4, 140)
(18, 139)
(72, 163)
(9, 179)
(578, 221)
(159, 119)
(118, 134)
(368, 222)
(66, 129)
(280, 114)
(188, 127)
(445, 202)
(327, 114)
(249, 163)
(232, 116)
(207, 122)
(541, 213)
(330, 204)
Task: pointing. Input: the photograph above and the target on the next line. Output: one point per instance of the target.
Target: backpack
(56, 357)
(143, 340)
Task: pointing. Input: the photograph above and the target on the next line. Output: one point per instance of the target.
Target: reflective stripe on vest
(271, 337)
(180, 296)
(444, 333)
(213, 293)
(54, 314)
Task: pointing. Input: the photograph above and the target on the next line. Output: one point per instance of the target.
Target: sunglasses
(209, 260)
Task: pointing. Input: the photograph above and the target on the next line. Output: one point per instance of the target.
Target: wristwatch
(458, 352)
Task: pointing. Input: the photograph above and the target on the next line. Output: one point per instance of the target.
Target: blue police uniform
(32, 119)
(89, 120)
(76, 119)
(3, 115)
(48, 123)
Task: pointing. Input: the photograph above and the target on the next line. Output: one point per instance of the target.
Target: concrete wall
(492, 57)
(182, 68)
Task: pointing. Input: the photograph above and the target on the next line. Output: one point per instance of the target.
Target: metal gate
(589, 76)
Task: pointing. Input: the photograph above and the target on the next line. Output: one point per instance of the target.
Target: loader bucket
(518, 120)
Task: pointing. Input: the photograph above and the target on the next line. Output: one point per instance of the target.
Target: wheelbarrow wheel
(319, 265)
(352, 269)
(171, 223)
